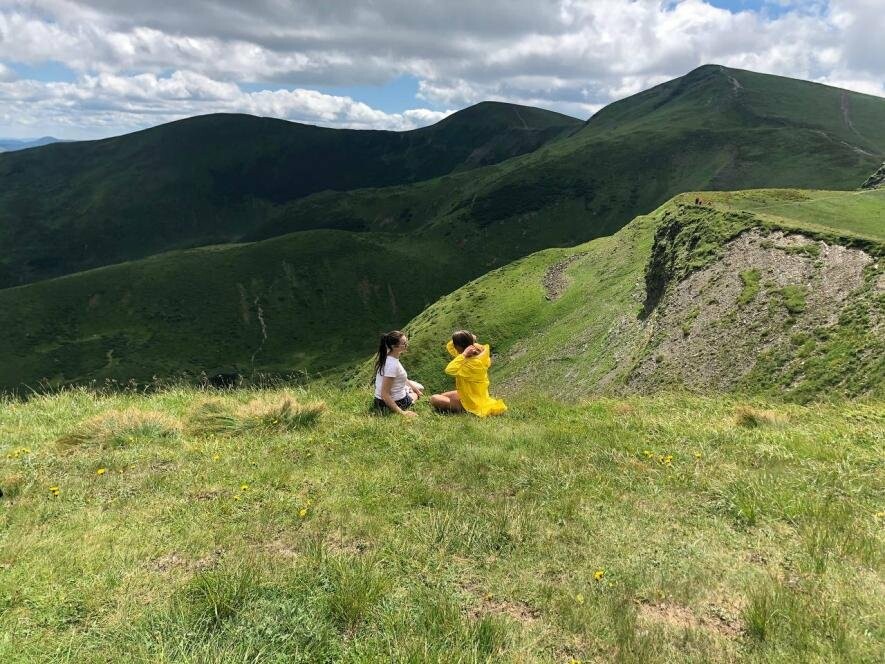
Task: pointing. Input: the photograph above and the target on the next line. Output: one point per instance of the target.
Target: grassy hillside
(414, 243)
(712, 129)
(714, 296)
(222, 178)
(304, 302)
(315, 300)
(663, 529)
(209, 179)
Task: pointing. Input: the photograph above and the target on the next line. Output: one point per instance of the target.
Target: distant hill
(213, 178)
(13, 144)
(712, 129)
(314, 281)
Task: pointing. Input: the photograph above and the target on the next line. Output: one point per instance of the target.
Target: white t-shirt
(393, 369)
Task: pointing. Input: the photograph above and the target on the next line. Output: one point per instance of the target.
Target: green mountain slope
(303, 302)
(713, 129)
(413, 243)
(778, 291)
(209, 179)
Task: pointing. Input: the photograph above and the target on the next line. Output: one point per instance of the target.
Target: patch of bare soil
(209, 494)
(488, 604)
(281, 549)
(555, 281)
(708, 330)
(175, 560)
(713, 619)
(522, 613)
(338, 543)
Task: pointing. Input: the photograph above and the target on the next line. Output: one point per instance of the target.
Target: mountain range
(248, 244)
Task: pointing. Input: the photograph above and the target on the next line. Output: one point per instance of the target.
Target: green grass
(321, 276)
(647, 529)
(591, 338)
(792, 298)
(154, 318)
(750, 280)
(214, 178)
(857, 212)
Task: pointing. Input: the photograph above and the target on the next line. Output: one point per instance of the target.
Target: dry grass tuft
(121, 428)
(258, 416)
(751, 418)
(11, 486)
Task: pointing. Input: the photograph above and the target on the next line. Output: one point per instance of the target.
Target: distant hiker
(394, 392)
(470, 367)
(697, 201)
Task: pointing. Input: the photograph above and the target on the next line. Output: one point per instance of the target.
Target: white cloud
(132, 102)
(6, 74)
(569, 55)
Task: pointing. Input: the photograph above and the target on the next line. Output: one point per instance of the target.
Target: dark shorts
(405, 403)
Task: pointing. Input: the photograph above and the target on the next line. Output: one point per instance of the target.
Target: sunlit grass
(651, 529)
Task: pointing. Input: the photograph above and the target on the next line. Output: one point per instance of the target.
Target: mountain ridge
(208, 179)
(381, 255)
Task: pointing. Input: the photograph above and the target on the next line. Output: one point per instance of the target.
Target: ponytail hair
(388, 341)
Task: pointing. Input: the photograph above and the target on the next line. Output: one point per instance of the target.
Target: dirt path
(555, 282)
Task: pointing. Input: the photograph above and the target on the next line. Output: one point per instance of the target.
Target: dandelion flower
(302, 512)
(244, 487)
(216, 457)
(697, 455)
(598, 574)
(648, 453)
(237, 497)
(101, 471)
(579, 598)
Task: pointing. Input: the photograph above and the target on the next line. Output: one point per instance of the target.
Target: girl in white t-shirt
(394, 392)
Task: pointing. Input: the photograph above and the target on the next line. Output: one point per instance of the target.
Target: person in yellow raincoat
(470, 367)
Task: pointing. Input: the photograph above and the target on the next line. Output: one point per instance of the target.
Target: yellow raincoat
(472, 381)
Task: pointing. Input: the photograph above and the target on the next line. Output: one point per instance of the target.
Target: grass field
(190, 526)
(860, 213)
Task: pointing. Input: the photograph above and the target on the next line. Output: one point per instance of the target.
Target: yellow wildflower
(302, 512)
(598, 574)
(216, 457)
(648, 454)
(101, 471)
(697, 455)
(237, 497)
(579, 598)
(244, 487)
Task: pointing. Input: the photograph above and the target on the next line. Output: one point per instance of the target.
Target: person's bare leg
(447, 401)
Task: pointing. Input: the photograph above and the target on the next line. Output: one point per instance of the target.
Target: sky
(97, 68)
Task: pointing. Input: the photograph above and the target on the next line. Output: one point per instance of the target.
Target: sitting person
(394, 392)
(470, 367)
